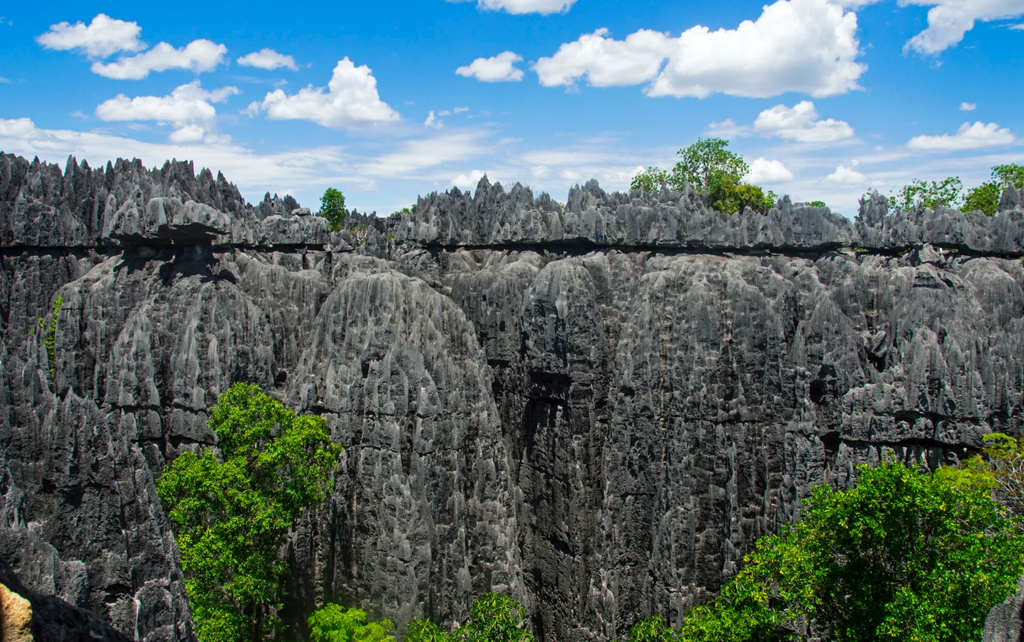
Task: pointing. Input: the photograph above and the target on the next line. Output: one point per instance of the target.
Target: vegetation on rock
(493, 618)
(332, 208)
(903, 555)
(231, 512)
(335, 623)
(710, 168)
(949, 192)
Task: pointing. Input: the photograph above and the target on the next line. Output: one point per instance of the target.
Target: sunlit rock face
(597, 408)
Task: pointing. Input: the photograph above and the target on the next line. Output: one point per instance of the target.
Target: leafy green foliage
(816, 203)
(650, 180)
(902, 556)
(984, 197)
(49, 330)
(709, 167)
(1009, 173)
(407, 210)
(332, 208)
(728, 195)
(928, 194)
(334, 623)
(231, 514)
(999, 468)
(493, 618)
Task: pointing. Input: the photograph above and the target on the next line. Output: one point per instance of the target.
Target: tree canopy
(714, 170)
(332, 208)
(334, 623)
(902, 556)
(949, 192)
(231, 513)
(493, 618)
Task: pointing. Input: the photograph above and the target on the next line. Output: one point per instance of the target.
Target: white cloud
(976, 136)
(571, 175)
(968, 106)
(433, 122)
(519, 7)
(267, 59)
(4, 81)
(763, 170)
(727, 129)
(428, 152)
(801, 123)
(808, 46)
(1018, 27)
(540, 172)
(846, 176)
(100, 38)
(500, 68)
(351, 100)
(459, 110)
(188, 109)
(470, 180)
(949, 20)
(198, 55)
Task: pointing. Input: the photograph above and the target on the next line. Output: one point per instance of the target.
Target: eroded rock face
(596, 409)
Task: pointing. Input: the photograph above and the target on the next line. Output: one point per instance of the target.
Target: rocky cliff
(597, 408)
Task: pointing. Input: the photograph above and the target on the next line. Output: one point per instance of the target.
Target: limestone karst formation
(597, 409)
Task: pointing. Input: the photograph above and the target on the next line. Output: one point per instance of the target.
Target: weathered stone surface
(1005, 622)
(31, 616)
(597, 409)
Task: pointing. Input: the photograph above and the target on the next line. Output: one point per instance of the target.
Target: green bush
(49, 330)
(493, 618)
(332, 208)
(231, 513)
(334, 623)
(928, 194)
(902, 556)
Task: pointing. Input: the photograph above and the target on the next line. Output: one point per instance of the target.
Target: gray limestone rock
(596, 408)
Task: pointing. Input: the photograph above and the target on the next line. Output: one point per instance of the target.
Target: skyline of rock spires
(596, 409)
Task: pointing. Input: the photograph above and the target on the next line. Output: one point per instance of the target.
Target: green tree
(493, 618)
(334, 623)
(902, 556)
(928, 194)
(332, 208)
(710, 168)
(985, 197)
(231, 513)
(1011, 173)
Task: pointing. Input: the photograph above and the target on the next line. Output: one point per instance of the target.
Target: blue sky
(823, 98)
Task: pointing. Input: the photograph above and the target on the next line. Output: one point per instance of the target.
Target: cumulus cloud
(808, 46)
(188, 109)
(976, 136)
(500, 68)
(540, 172)
(100, 38)
(267, 59)
(846, 176)
(949, 20)
(968, 106)
(763, 170)
(433, 122)
(520, 7)
(350, 100)
(469, 180)
(801, 123)
(198, 55)
(571, 175)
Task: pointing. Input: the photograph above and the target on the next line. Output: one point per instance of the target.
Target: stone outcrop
(596, 408)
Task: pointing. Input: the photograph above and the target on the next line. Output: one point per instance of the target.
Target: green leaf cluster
(332, 208)
(493, 618)
(334, 623)
(949, 191)
(49, 330)
(710, 168)
(231, 514)
(903, 556)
